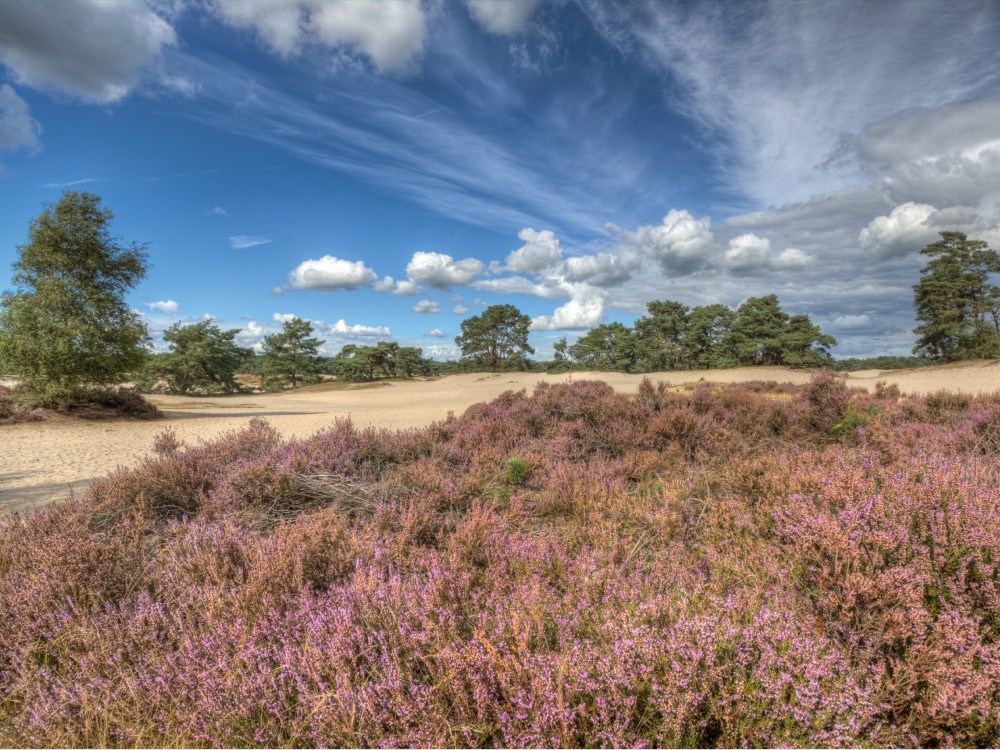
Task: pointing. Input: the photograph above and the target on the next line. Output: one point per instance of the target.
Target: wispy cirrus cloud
(243, 241)
(71, 183)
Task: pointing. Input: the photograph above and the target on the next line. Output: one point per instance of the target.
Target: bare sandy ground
(43, 461)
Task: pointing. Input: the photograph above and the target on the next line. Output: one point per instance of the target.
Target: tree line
(68, 324)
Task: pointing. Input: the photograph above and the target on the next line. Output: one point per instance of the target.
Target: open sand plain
(42, 461)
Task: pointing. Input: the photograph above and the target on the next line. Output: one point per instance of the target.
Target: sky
(388, 168)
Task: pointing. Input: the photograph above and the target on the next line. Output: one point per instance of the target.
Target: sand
(44, 461)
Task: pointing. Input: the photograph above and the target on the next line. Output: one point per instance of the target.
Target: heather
(757, 564)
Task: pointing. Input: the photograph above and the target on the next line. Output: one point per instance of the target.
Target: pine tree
(291, 355)
(958, 307)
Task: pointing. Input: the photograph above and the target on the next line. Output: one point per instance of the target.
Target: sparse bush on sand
(720, 567)
(23, 404)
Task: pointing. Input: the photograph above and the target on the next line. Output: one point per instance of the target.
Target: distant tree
(384, 360)
(958, 307)
(660, 335)
(707, 328)
(609, 346)
(68, 322)
(496, 339)
(754, 338)
(804, 345)
(559, 350)
(290, 355)
(201, 357)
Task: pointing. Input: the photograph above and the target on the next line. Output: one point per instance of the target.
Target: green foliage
(290, 356)
(754, 338)
(202, 358)
(707, 326)
(609, 346)
(958, 308)
(68, 322)
(853, 420)
(387, 359)
(516, 472)
(497, 339)
(660, 335)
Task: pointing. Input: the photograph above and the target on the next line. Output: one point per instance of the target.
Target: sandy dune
(42, 461)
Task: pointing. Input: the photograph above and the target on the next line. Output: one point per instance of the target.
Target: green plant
(517, 471)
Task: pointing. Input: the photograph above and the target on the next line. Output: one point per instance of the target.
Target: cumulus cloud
(540, 250)
(441, 271)
(459, 310)
(437, 333)
(18, 129)
(427, 307)
(405, 287)
(341, 329)
(579, 314)
(169, 306)
(217, 211)
(790, 259)
(243, 241)
(679, 243)
(747, 252)
(390, 35)
(505, 18)
(904, 230)
(602, 269)
(91, 50)
(330, 273)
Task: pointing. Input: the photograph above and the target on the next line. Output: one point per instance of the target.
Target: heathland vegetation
(724, 566)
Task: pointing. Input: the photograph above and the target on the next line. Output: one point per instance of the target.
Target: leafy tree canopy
(291, 355)
(67, 322)
(957, 306)
(609, 346)
(201, 358)
(384, 360)
(496, 339)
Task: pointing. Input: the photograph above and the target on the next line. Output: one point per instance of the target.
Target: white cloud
(217, 211)
(169, 307)
(437, 333)
(283, 317)
(506, 18)
(579, 314)
(441, 271)
(540, 250)
(747, 252)
(680, 243)
(427, 307)
(341, 329)
(330, 273)
(776, 122)
(904, 230)
(277, 291)
(405, 288)
(390, 34)
(459, 310)
(243, 241)
(91, 50)
(791, 258)
(18, 129)
(602, 269)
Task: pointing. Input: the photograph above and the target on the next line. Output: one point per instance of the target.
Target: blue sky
(386, 169)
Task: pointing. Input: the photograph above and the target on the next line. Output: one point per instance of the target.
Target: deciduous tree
(68, 322)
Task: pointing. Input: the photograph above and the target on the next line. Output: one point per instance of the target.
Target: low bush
(726, 566)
